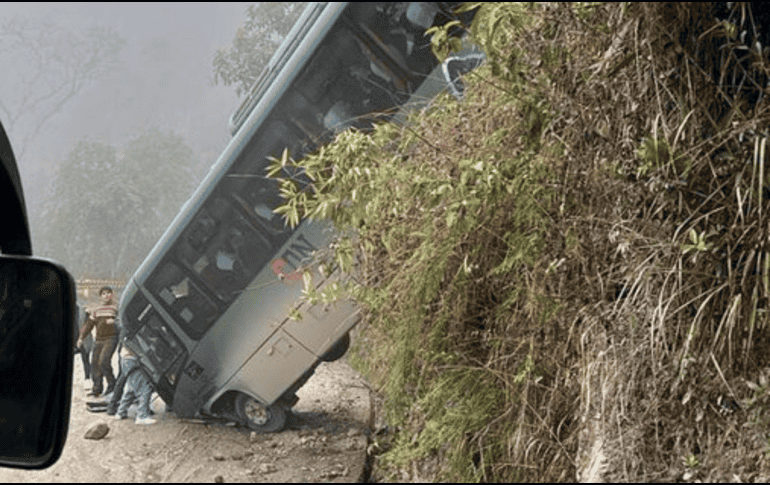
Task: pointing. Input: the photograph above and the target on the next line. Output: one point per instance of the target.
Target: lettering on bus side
(298, 251)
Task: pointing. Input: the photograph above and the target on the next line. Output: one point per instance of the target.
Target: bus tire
(260, 418)
(338, 349)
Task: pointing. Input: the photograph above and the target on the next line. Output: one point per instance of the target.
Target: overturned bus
(208, 310)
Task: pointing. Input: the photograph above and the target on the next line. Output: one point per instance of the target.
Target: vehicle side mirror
(37, 314)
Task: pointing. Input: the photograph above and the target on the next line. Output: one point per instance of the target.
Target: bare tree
(44, 66)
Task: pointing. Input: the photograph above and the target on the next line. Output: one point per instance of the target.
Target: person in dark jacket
(117, 394)
(102, 317)
(88, 343)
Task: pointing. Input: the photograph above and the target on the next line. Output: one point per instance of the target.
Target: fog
(163, 79)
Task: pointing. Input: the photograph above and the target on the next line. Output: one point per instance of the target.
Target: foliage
(108, 211)
(602, 315)
(496, 28)
(436, 221)
(266, 25)
(442, 43)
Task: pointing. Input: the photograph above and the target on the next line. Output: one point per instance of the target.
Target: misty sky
(164, 80)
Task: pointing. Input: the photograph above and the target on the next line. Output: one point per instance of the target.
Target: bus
(207, 312)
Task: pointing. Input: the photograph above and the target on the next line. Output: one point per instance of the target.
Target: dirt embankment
(325, 440)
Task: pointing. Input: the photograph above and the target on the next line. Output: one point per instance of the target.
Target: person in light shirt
(137, 385)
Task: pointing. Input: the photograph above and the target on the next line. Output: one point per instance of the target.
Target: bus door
(273, 368)
(159, 347)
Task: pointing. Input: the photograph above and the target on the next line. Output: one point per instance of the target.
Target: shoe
(118, 417)
(145, 421)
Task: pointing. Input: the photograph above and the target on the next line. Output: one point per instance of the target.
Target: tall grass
(566, 275)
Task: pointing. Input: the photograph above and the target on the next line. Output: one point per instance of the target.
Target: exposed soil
(325, 440)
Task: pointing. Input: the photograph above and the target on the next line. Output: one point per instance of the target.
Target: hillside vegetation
(565, 275)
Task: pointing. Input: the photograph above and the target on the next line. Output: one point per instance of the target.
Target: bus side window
(320, 74)
(400, 29)
(135, 312)
(233, 256)
(201, 230)
(259, 199)
(326, 80)
(247, 184)
(350, 90)
(305, 118)
(182, 298)
(164, 347)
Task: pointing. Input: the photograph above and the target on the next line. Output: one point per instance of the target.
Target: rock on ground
(97, 431)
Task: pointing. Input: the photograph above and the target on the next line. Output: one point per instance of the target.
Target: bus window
(182, 298)
(306, 118)
(269, 142)
(231, 257)
(201, 230)
(162, 346)
(318, 76)
(258, 199)
(421, 14)
(135, 313)
(252, 191)
(355, 89)
(398, 28)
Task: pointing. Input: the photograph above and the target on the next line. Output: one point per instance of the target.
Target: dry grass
(663, 197)
(640, 306)
(691, 323)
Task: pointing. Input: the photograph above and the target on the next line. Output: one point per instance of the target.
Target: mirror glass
(37, 313)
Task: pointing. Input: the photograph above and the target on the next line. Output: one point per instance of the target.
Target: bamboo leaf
(467, 7)
(307, 279)
(451, 218)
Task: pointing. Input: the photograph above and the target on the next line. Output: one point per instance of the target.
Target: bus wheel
(260, 418)
(338, 349)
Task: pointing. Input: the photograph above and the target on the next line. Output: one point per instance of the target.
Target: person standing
(124, 369)
(102, 317)
(85, 350)
(137, 385)
(117, 394)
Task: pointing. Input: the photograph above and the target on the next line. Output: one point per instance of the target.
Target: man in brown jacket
(102, 317)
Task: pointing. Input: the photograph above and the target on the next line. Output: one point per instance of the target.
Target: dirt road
(325, 440)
